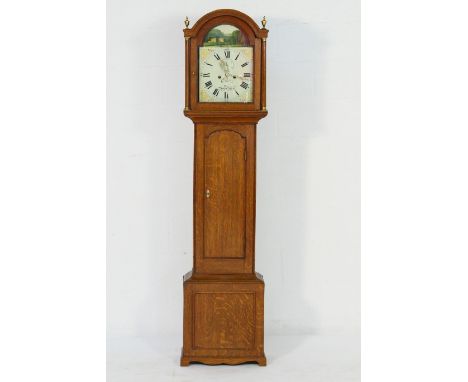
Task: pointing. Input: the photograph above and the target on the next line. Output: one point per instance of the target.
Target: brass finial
(264, 22)
(187, 22)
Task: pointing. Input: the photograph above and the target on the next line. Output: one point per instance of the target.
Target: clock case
(223, 295)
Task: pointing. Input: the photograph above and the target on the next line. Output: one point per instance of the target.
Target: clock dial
(225, 74)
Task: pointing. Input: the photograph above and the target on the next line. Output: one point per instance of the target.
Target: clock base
(223, 319)
(186, 360)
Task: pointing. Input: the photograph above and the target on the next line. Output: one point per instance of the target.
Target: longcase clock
(225, 97)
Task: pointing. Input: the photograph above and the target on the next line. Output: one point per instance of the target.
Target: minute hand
(225, 68)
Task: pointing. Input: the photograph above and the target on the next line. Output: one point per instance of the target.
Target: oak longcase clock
(225, 97)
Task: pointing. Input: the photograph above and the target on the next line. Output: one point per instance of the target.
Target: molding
(227, 278)
(234, 116)
(186, 359)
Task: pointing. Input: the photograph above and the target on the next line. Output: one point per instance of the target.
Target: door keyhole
(207, 193)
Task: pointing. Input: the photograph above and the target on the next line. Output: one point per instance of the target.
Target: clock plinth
(223, 320)
(225, 98)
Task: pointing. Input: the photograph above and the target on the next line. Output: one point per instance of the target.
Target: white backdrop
(308, 166)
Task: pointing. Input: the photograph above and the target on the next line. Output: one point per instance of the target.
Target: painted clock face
(225, 68)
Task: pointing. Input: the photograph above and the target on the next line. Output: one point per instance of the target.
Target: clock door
(225, 64)
(224, 191)
(225, 195)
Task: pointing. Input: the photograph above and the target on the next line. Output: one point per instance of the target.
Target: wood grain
(224, 320)
(225, 205)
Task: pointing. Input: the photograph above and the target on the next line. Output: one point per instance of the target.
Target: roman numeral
(226, 96)
(208, 84)
(216, 92)
(236, 92)
(244, 85)
(245, 64)
(227, 53)
(246, 74)
(206, 74)
(207, 63)
(237, 56)
(217, 56)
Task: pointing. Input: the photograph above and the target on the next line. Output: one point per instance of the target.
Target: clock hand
(225, 67)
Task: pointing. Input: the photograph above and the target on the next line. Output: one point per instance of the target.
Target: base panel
(223, 320)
